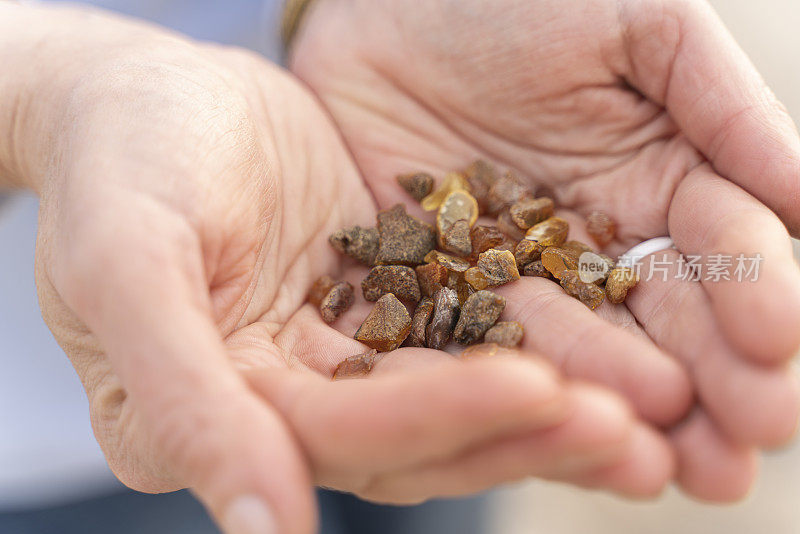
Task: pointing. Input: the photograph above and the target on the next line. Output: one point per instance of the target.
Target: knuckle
(188, 435)
(116, 428)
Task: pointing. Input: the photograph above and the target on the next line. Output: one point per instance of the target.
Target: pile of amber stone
(444, 272)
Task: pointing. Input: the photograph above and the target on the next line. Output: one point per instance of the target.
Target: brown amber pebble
(457, 206)
(356, 242)
(527, 251)
(356, 366)
(505, 333)
(557, 260)
(422, 316)
(478, 314)
(456, 239)
(451, 263)
(456, 215)
(418, 184)
(397, 279)
(338, 300)
(551, 232)
(452, 182)
(505, 191)
(495, 268)
(464, 289)
(601, 227)
(507, 226)
(445, 315)
(453, 277)
(590, 294)
(481, 176)
(619, 282)
(535, 268)
(431, 277)
(403, 240)
(610, 264)
(576, 247)
(609, 261)
(476, 278)
(485, 237)
(319, 289)
(386, 326)
(527, 212)
(457, 281)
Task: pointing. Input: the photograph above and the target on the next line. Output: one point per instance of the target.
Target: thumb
(144, 295)
(682, 56)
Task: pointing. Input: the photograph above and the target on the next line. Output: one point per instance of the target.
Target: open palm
(645, 110)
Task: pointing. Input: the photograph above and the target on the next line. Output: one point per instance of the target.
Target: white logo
(592, 267)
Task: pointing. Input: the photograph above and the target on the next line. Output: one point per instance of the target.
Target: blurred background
(767, 30)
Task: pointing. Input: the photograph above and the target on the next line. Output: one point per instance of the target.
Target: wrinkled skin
(187, 192)
(646, 110)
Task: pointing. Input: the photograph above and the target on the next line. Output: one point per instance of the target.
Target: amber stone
(403, 239)
(590, 294)
(610, 264)
(453, 277)
(481, 176)
(338, 300)
(319, 289)
(445, 314)
(463, 288)
(418, 184)
(619, 282)
(600, 277)
(507, 226)
(449, 262)
(431, 277)
(452, 182)
(504, 192)
(397, 279)
(495, 268)
(601, 227)
(386, 326)
(459, 205)
(557, 260)
(576, 247)
(551, 232)
(419, 323)
(535, 268)
(456, 239)
(527, 251)
(457, 213)
(485, 237)
(357, 242)
(527, 212)
(356, 366)
(505, 333)
(478, 314)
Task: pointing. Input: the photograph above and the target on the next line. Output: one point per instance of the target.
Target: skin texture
(646, 110)
(186, 195)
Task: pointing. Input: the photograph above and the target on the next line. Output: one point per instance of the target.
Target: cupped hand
(647, 111)
(187, 192)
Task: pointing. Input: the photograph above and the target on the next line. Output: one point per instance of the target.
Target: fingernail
(249, 515)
